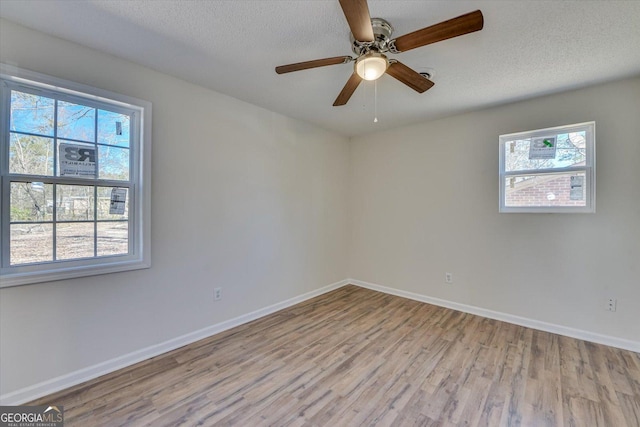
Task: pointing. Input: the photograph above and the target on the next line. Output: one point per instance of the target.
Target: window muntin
(56, 220)
(548, 170)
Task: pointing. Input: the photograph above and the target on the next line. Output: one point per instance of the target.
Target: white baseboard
(510, 318)
(71, 379)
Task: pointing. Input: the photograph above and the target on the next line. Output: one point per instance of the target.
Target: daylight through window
(72, 196)
(548, 170)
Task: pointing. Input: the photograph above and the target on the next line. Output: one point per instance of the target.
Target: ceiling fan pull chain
(375, 101)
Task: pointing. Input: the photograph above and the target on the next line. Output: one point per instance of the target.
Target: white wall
(424, 201)
(258, 206)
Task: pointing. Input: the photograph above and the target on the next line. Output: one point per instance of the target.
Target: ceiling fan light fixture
(371, 66)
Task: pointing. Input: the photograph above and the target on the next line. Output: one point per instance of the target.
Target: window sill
(10, 279)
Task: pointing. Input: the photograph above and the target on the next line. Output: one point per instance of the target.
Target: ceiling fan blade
(411, 78)
(347, 90)
(465, 24)
(357, 14)
(313, 64)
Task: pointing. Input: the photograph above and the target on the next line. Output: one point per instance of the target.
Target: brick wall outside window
(537, 190)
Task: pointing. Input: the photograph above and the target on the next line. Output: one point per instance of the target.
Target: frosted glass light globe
(371, 66)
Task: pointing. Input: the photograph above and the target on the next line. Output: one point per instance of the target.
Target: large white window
(549, 170)
(74, 169)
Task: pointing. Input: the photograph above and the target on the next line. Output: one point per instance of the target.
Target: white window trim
(140, 256)
(589, 169)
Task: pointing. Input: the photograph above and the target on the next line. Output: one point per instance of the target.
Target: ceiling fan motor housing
(382, 31)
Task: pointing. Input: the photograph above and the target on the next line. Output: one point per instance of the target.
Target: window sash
(551, 171)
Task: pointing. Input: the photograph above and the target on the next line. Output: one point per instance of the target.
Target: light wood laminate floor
(357, 357)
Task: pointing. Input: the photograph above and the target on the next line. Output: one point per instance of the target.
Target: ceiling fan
(371, 39)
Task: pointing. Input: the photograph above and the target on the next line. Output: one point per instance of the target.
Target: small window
(73, 162)
(548, 170)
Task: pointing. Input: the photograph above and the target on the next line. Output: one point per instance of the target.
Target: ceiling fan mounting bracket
(382, 42)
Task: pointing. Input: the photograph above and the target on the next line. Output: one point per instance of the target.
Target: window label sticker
(77, 160)
(542, 148)
(118, 199)
(577, 188)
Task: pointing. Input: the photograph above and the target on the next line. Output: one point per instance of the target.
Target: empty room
(319, 213)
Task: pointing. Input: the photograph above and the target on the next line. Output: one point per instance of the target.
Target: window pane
(74, 202)
(113, 128)
(76, 121)
(31, 155)
(31, 201)
(105, 205)
(113, 238)
(74, 240)
(570, 151)
(31, 113)
(567, 189)
(113, 163)
(31, 243)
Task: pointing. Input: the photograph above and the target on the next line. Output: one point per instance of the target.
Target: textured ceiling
(526, 49)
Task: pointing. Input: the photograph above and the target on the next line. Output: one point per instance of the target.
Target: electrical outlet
(448, 277)
(611, 304)
(217, 294)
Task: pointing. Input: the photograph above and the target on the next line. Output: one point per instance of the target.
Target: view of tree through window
(571, 150)
(56, 216)
(75, 175)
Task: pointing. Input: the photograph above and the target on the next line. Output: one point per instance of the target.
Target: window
(548, 170)
(74, 170)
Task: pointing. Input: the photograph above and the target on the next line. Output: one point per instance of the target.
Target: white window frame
(589, 169)
(139, 255)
